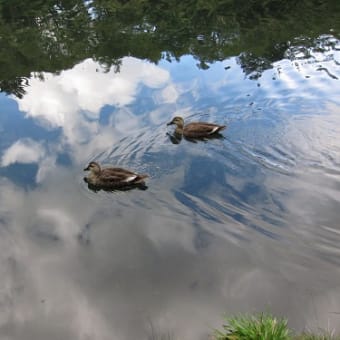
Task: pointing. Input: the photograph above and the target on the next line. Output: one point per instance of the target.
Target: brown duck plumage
(196, 129)
(112, 177)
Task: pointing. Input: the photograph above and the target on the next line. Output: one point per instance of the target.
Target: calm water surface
(247, 223)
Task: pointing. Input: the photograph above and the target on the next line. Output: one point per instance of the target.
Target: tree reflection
(53, 35)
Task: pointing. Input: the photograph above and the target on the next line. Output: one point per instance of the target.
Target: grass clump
(261, 327)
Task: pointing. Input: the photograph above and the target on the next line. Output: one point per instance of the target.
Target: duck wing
(201, 129)
(120, 175)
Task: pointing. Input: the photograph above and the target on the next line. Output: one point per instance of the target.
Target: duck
(195, 130)
(113, 178)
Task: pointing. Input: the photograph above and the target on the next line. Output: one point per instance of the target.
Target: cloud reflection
(73, 100)
(23, 151)
(84, 266)
(86, 87)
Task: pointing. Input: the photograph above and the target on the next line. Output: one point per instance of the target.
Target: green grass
(264, 327)
(261, 327)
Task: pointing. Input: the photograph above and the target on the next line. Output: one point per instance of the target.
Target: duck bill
(87, 169)
(170, 123)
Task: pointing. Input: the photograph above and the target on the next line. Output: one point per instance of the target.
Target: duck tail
(140, 178)
(221, 127)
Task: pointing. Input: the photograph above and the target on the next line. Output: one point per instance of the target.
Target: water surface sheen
(244, 223)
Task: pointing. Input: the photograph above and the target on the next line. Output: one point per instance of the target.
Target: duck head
(178, 121)
(94, 167)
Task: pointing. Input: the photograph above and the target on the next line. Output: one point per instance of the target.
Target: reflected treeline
(53, 35)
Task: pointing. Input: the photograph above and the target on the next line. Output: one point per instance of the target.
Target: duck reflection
(113, 179)
(176, 138)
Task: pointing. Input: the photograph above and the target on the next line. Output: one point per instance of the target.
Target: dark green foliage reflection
(51, 35)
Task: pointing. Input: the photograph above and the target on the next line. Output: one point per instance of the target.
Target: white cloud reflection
(79, 265)
(169, 94)
(23, 151)
(72, 101)
(86, 87)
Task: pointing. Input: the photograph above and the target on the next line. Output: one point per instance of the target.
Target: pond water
(242, 224)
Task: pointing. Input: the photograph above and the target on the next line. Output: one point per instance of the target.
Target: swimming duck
(112, 178)
(195, 129)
